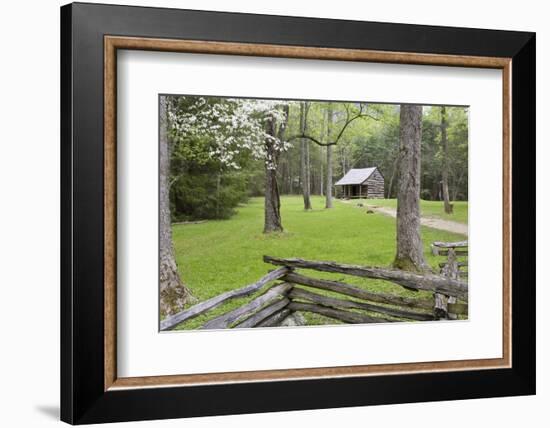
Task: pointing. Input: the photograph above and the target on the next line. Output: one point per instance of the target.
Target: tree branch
(348, 121)
(309, 137)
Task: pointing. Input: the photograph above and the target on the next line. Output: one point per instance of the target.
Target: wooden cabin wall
(375, 185)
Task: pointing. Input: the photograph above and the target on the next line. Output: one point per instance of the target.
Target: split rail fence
(284, 291)
(455, 266)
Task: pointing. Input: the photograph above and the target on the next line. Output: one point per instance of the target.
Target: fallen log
(200, 308)
(350, 290)
(429, 282)
(345, 316)
(264, 313)
(299, 293)
(242, 312)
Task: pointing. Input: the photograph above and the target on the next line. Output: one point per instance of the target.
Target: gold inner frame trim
(113, 43)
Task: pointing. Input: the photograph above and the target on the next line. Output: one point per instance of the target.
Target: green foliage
(432, 152)
(197, 196)
(219, 256)
(204, 189)
(202, 186)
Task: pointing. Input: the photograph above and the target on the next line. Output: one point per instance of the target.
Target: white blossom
(234, 126)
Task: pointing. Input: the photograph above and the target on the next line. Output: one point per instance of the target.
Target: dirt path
(435, 223)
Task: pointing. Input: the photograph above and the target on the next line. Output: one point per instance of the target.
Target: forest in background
(216, 165)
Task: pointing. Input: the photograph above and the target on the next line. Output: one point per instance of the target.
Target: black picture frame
(83, 398)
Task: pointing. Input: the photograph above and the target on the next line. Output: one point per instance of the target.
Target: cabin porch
(355, 191)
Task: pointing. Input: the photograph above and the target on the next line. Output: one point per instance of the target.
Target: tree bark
(304, 157)
(445, 173)
(173, 293)
(328, 200)
(410, 251)
(272, 204)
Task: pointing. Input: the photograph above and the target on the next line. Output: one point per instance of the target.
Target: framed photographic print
(275, 213)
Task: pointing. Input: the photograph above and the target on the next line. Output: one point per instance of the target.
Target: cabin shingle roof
(356, 176)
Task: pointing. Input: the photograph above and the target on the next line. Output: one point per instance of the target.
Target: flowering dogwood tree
(232, 125)
(228, 129)
(235, 126)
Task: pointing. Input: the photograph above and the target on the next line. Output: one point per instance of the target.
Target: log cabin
(362, 183)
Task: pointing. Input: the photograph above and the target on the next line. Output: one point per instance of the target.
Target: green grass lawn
(433, 209)
(218, 256)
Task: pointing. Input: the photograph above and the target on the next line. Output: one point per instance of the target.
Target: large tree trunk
(328, 200)
(173, 293)
(304, 158)
(272, 204)
(410, 251)
(445, 173)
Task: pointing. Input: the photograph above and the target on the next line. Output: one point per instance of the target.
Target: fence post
(450, 270)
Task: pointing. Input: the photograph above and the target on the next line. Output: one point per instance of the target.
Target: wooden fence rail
(300, 294)
(194, 311)
(245, 311)
(360, 293)
(279, 300)
(409, 280)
